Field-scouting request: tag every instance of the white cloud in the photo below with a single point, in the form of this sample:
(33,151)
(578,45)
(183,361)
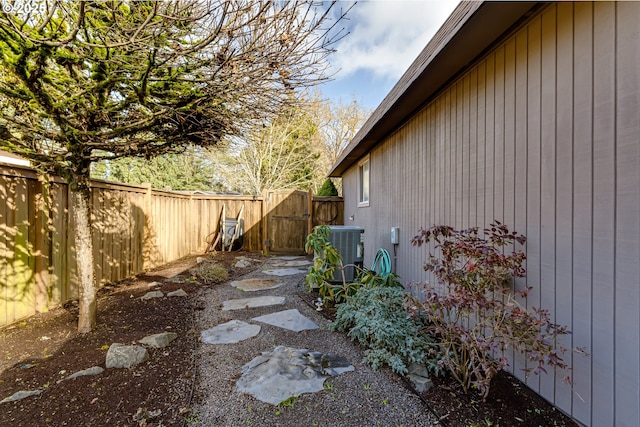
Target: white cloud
(386,36)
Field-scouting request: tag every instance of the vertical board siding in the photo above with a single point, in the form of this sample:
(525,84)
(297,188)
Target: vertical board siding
(543,133)
(134,229)
(583,203)
(627,249)
(603,231)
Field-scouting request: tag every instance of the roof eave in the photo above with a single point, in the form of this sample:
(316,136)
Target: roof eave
(470,30)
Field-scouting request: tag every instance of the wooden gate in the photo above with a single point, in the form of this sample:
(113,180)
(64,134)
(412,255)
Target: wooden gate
(288,221)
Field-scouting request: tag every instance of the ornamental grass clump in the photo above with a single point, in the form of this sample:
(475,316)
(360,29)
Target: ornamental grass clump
(210,272)
(473,313)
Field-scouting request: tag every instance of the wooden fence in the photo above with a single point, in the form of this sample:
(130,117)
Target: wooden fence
(135,228)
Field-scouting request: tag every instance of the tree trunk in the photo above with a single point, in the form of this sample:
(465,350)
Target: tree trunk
(80,200)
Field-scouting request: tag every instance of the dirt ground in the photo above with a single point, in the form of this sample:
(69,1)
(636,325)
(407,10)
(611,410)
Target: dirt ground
(39,352)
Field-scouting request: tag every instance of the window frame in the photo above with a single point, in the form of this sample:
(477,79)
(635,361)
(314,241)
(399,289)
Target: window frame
(364,166)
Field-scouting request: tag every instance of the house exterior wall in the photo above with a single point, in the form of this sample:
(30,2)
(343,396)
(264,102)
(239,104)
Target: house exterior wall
(543,134)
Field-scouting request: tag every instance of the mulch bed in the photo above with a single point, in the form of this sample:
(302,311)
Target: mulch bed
(510,403)
(38,352)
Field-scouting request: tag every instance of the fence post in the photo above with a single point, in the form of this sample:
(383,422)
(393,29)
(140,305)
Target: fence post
(147,246)
(42,243)
(310,213)
(264,222)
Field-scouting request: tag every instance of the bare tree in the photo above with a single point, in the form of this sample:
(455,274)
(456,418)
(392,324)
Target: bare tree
(83,81)
(339,122)
(281,155)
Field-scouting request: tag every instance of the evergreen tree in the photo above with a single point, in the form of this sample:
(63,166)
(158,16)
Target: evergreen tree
(328,189)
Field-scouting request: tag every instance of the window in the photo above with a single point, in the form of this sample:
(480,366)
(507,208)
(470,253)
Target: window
(363,182)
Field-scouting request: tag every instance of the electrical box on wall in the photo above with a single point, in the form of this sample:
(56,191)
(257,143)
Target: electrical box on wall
(395,235)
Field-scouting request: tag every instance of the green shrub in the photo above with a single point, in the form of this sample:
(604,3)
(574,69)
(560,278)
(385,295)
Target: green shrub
(376,318)
(326,262)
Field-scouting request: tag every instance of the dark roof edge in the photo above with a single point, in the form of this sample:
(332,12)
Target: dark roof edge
(470,29)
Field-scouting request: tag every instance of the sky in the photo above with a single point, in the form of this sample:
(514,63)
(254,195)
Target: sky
(385,36)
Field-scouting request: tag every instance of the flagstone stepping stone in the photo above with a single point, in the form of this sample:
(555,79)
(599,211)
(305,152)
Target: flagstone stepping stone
(287,372)
(288,319)
(295,263)
(288,257)
(231,332)
(284,271)
(251,285)
(240,304)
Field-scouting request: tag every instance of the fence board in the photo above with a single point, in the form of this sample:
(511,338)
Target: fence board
(135,228)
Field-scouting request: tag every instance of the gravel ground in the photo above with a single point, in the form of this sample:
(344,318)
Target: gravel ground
(363,397)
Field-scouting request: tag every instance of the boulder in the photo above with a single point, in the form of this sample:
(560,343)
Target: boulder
(158,340)
(419,376)
(125,356)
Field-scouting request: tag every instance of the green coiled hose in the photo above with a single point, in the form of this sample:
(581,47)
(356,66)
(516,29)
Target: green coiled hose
(382,262)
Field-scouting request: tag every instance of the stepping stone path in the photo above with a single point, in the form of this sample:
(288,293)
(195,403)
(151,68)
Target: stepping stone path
(285,372)
(288,319)
(231,332)
(252,285)
(244,303)
(305,373)
(284,272)
(293,263)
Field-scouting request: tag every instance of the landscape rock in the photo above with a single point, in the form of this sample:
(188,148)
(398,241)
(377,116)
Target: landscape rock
(19,395)
(242,263)
(419,376)
(178,293)
(154,284)
(125,356)
(94,370)
(158,340)
(151,295)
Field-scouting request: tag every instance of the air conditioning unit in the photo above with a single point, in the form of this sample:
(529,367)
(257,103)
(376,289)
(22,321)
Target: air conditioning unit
(349,241)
